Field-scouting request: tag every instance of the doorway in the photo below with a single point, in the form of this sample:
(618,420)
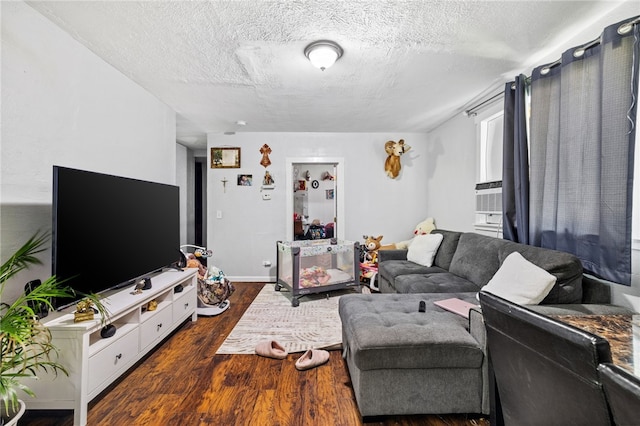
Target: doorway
(316,193)
(199,226)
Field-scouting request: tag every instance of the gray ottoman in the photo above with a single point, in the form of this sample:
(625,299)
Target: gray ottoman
(402,361)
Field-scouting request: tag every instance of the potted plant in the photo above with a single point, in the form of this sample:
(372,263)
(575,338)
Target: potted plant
(25,343)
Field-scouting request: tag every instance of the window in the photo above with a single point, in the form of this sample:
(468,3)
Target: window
(490,158)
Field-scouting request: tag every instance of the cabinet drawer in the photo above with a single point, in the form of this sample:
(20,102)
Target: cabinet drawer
(155,327)
(119,354)
(185,303)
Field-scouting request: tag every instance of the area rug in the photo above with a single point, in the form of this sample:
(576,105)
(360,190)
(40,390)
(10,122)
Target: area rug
(314,324)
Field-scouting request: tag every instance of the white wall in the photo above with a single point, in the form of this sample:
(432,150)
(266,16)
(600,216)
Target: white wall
(451,154)
(63,105)
(374,204)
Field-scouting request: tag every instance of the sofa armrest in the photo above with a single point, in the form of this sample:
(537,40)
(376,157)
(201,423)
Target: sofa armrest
(595,290)
(397,254)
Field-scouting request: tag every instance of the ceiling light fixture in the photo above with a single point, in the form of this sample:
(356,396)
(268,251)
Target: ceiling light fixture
(323,53)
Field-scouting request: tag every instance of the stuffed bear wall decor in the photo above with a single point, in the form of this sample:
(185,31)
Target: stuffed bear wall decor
(394,150)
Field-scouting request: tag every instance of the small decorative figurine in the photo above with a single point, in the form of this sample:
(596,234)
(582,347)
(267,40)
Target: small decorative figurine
(84,311)
(152,305)
(138,288)
(268,179)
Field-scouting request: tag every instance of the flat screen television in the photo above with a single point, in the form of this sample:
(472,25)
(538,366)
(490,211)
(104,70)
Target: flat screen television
(109,231)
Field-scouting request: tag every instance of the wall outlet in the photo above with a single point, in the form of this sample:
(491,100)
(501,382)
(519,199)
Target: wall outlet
(266,196)
(266,263)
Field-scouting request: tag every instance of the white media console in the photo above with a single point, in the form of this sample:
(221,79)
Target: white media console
(94,362)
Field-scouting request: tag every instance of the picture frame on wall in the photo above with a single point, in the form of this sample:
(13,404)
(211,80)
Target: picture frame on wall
(225,158)
(245,180)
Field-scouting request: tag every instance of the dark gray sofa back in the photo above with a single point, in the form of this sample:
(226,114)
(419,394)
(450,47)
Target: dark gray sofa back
(478,258)
(447,248)
(566,267)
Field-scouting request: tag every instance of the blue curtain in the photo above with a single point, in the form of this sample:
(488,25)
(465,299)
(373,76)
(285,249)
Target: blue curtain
(515,163)
(582,138)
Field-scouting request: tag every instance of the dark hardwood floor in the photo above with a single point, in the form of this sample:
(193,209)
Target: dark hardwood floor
(183,382)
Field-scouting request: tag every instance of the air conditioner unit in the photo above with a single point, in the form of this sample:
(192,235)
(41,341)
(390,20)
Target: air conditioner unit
(489,208)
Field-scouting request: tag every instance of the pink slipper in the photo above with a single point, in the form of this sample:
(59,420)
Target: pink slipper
(312,358)
(271,349)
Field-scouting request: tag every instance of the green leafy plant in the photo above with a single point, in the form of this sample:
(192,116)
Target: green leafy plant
(26,344)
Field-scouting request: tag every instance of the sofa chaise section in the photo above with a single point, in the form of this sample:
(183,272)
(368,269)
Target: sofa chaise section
(403,361)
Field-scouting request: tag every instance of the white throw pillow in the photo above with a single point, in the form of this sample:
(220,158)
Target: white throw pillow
(423,248)
(520,281)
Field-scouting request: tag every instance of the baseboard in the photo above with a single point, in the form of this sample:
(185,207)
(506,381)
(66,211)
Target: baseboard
(260,279)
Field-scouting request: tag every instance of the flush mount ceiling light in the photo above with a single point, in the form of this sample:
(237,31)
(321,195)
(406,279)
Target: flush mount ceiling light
(323,53)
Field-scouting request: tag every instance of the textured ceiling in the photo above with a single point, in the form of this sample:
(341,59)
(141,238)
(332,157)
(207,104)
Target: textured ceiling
(407,66)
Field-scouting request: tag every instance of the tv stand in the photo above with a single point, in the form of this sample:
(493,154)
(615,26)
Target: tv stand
(94,362)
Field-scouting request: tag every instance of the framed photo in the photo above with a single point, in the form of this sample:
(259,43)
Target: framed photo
(225,158)
(245,180)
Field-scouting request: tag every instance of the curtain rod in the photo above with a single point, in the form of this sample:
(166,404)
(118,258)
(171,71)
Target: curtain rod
(472,112)
(579,51)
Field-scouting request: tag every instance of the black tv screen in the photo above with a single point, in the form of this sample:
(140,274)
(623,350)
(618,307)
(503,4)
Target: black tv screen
(109,231)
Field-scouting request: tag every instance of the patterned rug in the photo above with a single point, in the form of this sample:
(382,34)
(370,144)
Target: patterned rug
(314,324)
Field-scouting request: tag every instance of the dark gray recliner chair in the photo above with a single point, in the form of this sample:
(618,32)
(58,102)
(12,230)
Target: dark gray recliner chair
(546,371)
(623,393)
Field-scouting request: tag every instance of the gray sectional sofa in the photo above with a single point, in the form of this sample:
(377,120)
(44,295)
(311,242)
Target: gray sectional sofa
(407,360)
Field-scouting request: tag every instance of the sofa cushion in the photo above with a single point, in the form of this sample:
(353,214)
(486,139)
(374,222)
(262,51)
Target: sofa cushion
(476,257)
(423,248)
(520,281)
(566,267)
(443,282)
(388,332)
(394,268)
(447,248)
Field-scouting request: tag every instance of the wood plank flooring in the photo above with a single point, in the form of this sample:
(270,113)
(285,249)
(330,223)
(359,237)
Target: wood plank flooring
(183,382)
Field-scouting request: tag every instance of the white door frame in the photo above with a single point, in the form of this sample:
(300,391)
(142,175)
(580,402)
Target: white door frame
(338,162)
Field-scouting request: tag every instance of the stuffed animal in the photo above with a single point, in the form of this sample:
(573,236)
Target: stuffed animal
(372,245)
(215,274)
(423,228)
(394,150)
(193,261)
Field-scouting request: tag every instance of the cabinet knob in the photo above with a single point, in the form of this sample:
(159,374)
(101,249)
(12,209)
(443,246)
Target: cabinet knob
(159,326)
(118,356)
(186,305)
